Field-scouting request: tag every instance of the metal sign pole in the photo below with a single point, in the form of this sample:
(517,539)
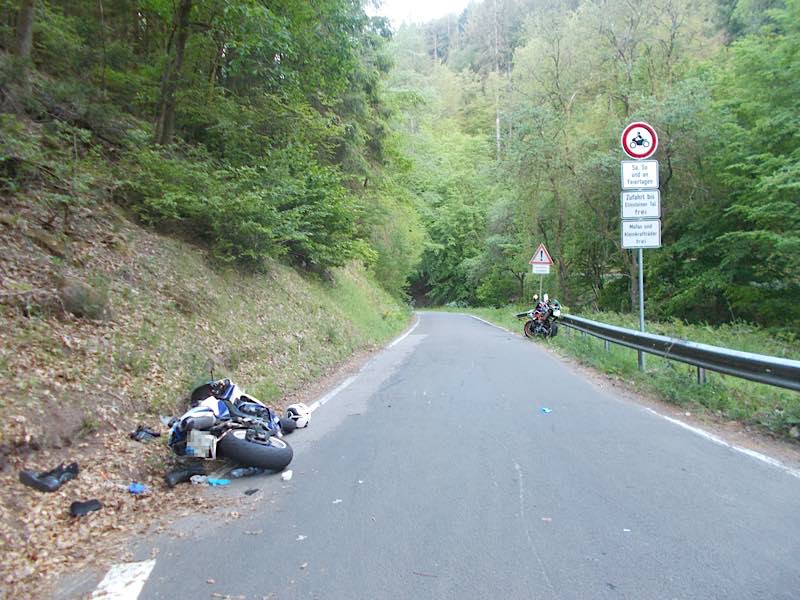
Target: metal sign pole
(541,279)
(641,304)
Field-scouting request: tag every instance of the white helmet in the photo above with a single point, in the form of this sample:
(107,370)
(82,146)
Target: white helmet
(299,413)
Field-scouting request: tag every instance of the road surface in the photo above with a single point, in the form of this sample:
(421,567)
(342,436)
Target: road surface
(435,474)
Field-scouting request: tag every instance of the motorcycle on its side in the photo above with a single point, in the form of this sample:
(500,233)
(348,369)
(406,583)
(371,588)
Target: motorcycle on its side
(224,422)
(541,321)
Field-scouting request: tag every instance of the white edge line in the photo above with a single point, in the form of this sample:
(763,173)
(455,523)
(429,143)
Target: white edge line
(124,581)
(330,395)
(717,440)
(702,433)
(489,323)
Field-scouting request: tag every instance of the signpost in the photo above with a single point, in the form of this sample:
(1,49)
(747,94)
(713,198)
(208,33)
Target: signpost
(640,200)
(540,264)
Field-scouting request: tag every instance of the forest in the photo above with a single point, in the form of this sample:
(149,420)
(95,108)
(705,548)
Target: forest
(438,155)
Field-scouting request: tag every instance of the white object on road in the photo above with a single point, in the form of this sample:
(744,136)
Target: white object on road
(337,501)
(124,581)
(300,538)
(286,475)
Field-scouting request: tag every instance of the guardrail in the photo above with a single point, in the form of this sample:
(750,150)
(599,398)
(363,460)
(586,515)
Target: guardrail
(780,372)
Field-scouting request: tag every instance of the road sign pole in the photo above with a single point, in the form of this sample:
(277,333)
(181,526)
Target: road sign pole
(541,279)
(641,304)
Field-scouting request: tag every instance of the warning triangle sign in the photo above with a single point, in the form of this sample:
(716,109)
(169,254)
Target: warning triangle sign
(541,256)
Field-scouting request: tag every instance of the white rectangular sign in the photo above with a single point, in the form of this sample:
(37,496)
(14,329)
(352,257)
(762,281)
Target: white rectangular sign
(639,174)
(538,269)
(641,204)
(645,233)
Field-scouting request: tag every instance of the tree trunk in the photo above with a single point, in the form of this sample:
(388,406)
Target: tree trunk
(165,126)
(25,29)
(25,42)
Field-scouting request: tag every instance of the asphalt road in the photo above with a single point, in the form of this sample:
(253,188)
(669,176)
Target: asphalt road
(436,475)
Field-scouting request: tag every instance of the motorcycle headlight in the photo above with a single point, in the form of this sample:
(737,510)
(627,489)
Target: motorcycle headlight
(557,312)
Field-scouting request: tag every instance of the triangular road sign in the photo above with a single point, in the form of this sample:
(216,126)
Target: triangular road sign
(541,256)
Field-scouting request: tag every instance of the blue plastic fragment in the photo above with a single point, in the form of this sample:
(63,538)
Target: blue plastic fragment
(218,482)
(137,488)
(546,410)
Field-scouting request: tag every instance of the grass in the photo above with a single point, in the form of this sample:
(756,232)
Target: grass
(768,408)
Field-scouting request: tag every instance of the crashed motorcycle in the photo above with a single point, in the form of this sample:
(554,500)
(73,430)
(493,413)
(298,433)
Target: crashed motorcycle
(542,320)
(224,422)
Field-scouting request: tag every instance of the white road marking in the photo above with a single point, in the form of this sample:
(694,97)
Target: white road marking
(488,322)
(124,581)
(717,440)
(330,395)
(697,431)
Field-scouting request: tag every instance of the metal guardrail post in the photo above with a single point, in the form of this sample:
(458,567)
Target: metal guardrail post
(701,375)
(606,345)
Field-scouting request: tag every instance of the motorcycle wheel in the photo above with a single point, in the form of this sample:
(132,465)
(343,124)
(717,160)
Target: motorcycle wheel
(554,330)
(273,454)
(528,328)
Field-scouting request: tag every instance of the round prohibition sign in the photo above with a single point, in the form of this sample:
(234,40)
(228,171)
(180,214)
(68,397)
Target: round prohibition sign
(639,140)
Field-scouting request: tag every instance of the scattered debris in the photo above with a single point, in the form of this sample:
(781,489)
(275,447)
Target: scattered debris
(360,481)
(199,479)
(218,482)
(144,434)
(546,410)
(300,538)
(79,509)
(424,574)
(304,565)
(337,501)
(286,475)
(254,532)
(210,581)
(251,491)
(183,473)
(626,530)
(246,472)
(547,519)
(50,481)
(137,489)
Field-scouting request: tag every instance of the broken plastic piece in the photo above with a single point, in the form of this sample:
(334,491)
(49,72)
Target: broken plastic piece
(137,488)
(286,475)
(250,492)
(218,482)
(198,479)
(79,509)
(546,410)
(246,472)
(50,481)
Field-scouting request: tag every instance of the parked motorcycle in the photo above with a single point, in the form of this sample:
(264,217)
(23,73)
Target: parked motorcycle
(542,319)
(225,422)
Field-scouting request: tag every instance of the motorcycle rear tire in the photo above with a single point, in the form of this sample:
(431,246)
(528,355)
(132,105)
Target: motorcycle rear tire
(528,328)
(273,455)
(554,330)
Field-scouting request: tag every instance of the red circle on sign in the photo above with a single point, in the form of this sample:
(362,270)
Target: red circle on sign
(639,147)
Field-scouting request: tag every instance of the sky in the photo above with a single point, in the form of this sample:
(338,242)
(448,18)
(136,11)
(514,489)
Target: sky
(417,11)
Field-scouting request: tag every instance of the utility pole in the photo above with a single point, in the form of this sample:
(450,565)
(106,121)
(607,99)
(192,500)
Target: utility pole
(497,81)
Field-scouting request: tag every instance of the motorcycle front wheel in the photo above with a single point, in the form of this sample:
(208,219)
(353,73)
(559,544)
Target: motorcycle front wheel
(273,453)
(554,330)
(528,329)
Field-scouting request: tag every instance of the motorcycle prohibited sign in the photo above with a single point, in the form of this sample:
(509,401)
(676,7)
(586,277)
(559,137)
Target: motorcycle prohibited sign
(639,140)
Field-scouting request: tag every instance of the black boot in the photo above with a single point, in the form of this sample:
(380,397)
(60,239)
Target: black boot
(79,509)
(50,481)
(184,473)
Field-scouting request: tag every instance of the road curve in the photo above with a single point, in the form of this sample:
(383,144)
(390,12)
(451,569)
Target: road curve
(436,474)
